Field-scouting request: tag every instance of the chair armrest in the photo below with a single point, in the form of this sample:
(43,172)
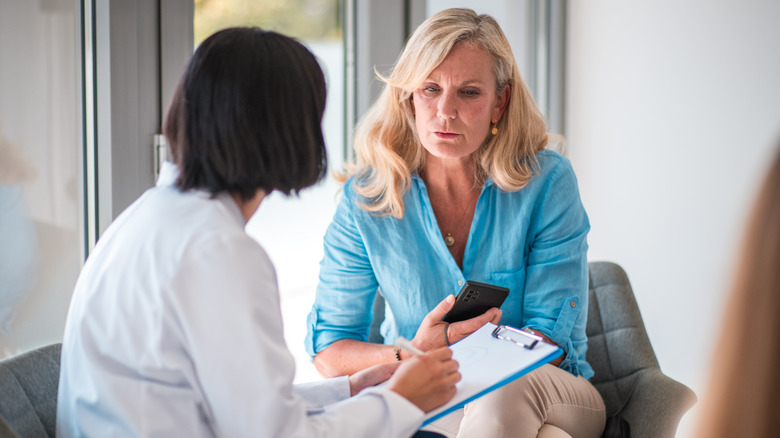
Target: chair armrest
(656,405)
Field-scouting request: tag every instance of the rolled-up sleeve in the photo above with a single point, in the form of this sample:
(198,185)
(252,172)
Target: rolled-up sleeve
(347,284)
(556,289)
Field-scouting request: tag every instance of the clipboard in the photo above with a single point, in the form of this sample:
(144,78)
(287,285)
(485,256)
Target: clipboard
(490,358)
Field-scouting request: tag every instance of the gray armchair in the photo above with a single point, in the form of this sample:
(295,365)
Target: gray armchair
(28,393)
(627,372)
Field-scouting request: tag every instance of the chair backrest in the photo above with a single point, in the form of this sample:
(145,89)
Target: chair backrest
(618,346)
(28,392)
(636,393)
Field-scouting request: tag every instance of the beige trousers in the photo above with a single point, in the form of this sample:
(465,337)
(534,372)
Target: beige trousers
(548,402)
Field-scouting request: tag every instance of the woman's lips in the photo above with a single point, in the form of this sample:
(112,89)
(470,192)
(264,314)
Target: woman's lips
(445,135)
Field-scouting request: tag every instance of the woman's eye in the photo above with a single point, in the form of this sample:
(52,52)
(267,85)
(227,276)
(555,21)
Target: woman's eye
(471,93)
(430,89)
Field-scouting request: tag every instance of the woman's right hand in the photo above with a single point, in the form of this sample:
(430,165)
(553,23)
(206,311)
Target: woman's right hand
(430,334)
(428,380)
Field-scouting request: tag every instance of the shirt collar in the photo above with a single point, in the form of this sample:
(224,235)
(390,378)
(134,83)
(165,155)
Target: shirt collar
(169,172)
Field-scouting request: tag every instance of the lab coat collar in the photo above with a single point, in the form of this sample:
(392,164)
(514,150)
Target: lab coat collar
(169,172)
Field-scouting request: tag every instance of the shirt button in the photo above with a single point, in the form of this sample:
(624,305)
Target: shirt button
(460,282)
(573,304)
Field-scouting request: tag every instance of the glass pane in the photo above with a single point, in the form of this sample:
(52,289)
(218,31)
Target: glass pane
(40,183)
(291,229)
(309,20)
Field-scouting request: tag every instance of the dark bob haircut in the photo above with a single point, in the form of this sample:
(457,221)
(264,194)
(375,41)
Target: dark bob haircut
(247,115)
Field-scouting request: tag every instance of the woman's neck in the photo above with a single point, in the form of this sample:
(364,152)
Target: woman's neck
(453,190)
(250,206)
(450,178)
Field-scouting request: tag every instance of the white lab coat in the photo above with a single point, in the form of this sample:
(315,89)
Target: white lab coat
(175,329)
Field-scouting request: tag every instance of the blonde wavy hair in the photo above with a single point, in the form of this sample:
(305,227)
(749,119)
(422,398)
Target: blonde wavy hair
(386,143)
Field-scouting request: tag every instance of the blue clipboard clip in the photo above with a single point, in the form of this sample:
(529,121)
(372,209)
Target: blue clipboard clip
(520,337)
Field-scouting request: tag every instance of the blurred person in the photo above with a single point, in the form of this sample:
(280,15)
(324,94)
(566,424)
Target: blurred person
(453,183)
(175,328)
(740,398)
(19,251)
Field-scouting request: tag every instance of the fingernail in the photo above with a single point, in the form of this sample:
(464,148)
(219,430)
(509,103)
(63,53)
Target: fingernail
(450,298)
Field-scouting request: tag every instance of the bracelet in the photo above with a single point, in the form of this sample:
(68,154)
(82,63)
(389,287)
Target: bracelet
(397,351)
(446,337)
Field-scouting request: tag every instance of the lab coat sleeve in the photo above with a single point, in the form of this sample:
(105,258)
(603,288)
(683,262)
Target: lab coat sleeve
(229,318)
(324,392)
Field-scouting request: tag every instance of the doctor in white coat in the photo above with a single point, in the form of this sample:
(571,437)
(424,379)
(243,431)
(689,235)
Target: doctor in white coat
(174,328)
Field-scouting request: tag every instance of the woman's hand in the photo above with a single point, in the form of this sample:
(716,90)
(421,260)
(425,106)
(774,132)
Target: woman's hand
(428,380)
(371,376)
(431,333)
(544,337)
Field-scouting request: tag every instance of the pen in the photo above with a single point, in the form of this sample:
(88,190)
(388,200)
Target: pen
(407,346)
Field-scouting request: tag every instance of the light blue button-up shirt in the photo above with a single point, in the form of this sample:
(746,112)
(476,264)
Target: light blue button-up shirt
(532,241)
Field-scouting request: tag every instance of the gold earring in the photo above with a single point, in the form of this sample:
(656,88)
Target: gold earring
(494,131)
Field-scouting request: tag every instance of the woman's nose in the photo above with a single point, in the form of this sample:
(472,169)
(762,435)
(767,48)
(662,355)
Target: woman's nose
(447,108)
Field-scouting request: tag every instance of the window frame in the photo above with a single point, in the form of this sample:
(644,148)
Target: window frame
(133,55)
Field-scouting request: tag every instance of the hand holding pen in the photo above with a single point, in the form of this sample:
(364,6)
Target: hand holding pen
(426,379)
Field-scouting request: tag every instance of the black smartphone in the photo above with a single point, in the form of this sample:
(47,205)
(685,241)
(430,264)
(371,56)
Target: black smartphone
(474,299)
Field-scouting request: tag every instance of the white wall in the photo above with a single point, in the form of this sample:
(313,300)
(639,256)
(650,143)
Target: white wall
(673,110)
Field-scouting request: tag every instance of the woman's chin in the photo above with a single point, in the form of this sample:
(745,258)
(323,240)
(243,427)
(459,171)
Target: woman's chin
(448,152)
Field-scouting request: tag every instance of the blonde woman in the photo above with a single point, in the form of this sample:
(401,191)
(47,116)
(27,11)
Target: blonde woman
(744,381)
(453,183)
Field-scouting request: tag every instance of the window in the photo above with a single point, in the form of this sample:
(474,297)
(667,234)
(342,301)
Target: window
(41,237)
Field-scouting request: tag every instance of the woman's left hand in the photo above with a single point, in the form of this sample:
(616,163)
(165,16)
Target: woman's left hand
(431,333)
